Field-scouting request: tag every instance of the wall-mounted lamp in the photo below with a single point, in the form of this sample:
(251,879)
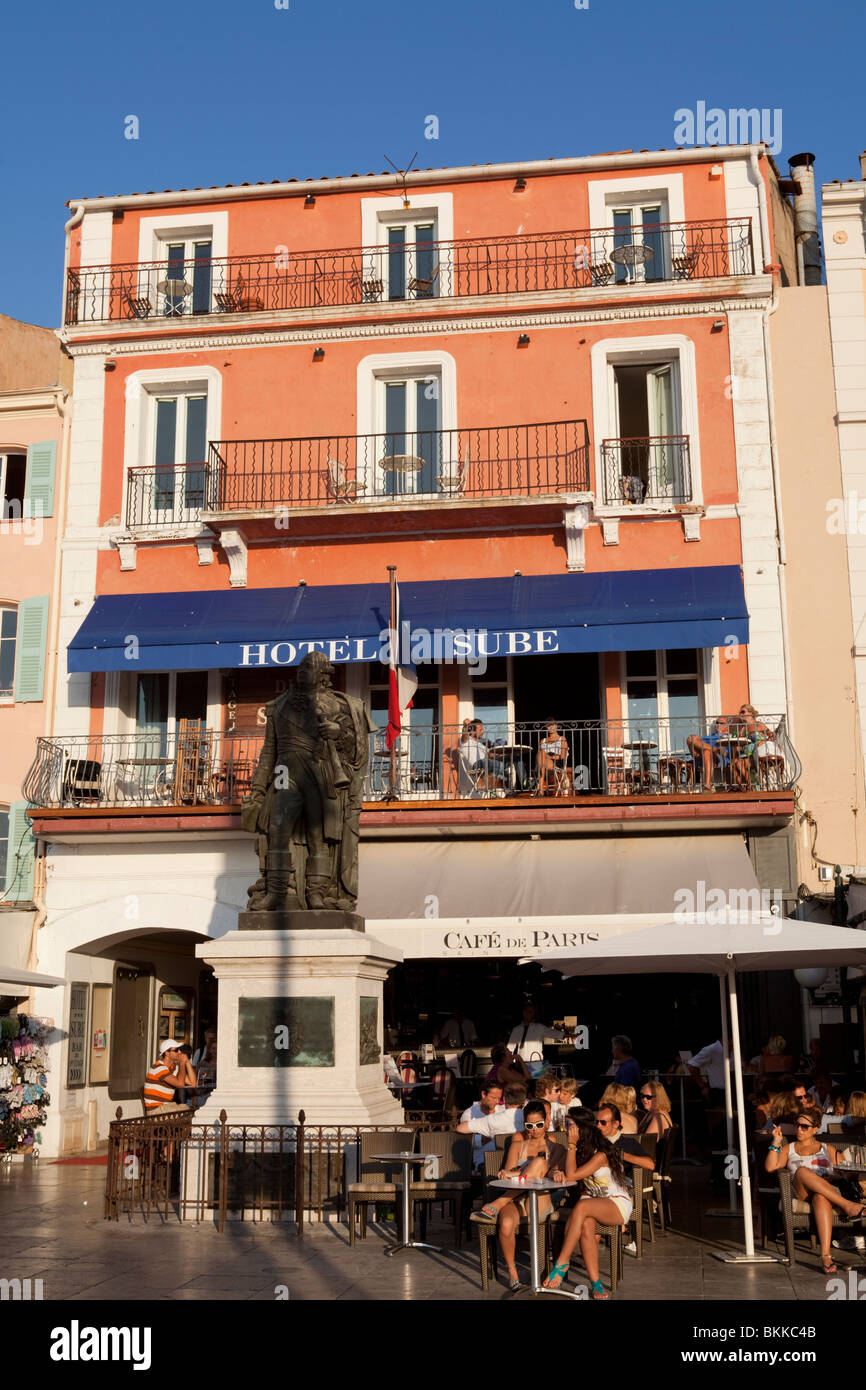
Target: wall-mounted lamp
(309,201)
(517,574)
(718,325)
(523,340)
(519,185)
(110,364)
(318,354)
(302,583)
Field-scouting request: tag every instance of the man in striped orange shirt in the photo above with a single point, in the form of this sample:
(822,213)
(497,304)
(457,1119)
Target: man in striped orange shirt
(168,1074)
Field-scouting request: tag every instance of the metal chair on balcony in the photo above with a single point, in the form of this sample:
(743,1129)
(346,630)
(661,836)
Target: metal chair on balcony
(239,300)
(684,267)
(421,285)
(452,478)
(601,273)
(137,306)
(82,781)
(340,486)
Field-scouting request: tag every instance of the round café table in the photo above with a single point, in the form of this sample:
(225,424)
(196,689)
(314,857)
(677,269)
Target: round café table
(635,254)
(405,1159)
(510,753)
(532,1187)
(642,747)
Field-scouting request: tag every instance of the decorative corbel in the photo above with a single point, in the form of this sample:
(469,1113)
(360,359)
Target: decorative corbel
(126,550)
(234,544)
(575,520)
(610,530)
(204,544)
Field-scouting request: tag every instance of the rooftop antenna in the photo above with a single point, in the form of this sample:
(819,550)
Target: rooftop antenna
(402,175)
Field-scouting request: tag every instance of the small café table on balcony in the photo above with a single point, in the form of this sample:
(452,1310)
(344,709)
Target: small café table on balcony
(405,1160)
(642,747)
(510,755)
(633,255)
(532,1187)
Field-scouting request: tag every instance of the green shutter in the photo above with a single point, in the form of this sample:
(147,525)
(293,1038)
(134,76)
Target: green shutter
(19,857)
(30,656)
(39,490)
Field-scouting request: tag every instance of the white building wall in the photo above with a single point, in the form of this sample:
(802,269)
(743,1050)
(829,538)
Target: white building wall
(757,509)
(844,237)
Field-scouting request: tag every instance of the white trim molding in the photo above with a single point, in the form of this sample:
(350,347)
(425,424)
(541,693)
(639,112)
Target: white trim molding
(156,233)
(606,194)
(138,422)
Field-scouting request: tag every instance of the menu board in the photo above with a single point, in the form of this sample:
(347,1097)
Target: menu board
(280,1032)
(76,1056)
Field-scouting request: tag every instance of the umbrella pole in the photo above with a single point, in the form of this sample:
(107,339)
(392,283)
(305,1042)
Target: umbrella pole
(731,1208)
(750,1255)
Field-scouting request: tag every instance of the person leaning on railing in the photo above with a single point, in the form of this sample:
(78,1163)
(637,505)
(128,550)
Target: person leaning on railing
(811,1166)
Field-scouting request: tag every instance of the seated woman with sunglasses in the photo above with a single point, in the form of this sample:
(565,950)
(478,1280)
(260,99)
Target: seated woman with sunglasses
(605,1201)
(655,1115)
(811,1165)
(531,1155)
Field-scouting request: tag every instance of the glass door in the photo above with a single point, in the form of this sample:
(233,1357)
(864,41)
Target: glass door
(638,244)
(410,458)
(663,424)
(180,450)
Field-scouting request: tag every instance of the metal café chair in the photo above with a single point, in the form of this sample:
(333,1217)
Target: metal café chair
(377,1181)
(454,1179)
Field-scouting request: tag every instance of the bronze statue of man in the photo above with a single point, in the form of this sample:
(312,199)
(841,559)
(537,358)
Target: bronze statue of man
(306,794)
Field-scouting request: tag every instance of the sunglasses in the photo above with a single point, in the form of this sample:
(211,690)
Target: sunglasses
(647,1095)
(535,1124)
(604,1122)
(806,1126)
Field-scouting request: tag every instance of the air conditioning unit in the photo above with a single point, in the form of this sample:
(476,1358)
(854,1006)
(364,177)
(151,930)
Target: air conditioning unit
(825,873)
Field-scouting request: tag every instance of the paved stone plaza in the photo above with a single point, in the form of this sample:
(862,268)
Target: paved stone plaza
(52,1228)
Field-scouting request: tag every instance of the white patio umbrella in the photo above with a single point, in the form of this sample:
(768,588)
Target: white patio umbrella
(701,946)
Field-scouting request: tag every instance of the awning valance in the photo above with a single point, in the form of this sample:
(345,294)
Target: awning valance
(637,610)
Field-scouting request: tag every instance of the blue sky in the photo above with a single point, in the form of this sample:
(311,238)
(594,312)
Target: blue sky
(230,92)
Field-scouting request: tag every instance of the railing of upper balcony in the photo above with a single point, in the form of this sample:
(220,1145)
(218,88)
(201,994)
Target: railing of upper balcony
(537,460)
(616,758)
(531,264)
(646,470)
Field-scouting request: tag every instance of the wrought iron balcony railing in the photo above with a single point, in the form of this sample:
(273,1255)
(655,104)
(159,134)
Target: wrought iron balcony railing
(654,469)
(287,281)
(433,762)
(538,460)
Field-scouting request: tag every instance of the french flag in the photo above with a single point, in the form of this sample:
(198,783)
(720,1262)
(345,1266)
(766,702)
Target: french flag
(402,676)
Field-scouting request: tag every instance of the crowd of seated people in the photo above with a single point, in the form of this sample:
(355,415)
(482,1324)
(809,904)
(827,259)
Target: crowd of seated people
(738,753)
(552,1135)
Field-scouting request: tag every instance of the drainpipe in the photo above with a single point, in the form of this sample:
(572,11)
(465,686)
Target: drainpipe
(767,254)
(806,220)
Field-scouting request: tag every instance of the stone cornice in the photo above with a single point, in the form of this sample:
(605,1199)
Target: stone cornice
(513,321)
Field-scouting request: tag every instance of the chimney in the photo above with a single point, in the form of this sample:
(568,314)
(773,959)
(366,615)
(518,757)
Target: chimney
(863,165)
(806,220)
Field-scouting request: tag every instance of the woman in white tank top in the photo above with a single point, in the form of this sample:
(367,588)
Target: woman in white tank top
(811,1165)
(605,1201)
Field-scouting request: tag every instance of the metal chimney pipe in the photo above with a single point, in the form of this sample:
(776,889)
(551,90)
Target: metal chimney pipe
(806,219)
(863,165)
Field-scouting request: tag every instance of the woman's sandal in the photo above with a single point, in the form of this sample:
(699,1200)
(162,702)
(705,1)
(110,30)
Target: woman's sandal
(513,1285)
(490,1211)
(598,1290)
(559,1272)
(828,1266)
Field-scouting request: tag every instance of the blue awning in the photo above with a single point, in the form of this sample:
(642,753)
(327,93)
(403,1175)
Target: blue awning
(635,610)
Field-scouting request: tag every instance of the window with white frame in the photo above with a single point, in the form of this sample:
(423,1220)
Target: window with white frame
(412,264)
(185,287)
(408,249)
(663,698)
(644,400)
(639,250)
(419,746)
(13,478)
(8,644)
(171,488)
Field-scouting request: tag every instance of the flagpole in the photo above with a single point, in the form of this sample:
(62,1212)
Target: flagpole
(392,769)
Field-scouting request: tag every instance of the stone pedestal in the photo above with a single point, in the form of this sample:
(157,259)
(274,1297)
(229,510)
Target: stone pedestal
(300,1022)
